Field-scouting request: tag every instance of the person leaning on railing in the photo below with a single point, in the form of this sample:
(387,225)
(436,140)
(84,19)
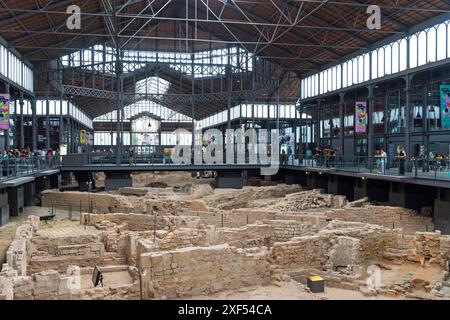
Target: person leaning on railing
(438,158)
(4,160)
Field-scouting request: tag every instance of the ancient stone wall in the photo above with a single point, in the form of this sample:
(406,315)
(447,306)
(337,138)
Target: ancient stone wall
(361,243)
(389,217)
(202,271)
(142,222)
(299,253)
(99,202)
(239,199)
(308,200)
(285,230)
(433,248)
(19,251)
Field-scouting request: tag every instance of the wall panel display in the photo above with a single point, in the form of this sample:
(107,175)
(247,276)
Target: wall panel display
(361,117)
(445,105)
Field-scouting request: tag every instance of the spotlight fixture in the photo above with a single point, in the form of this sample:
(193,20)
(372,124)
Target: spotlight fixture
(364,178)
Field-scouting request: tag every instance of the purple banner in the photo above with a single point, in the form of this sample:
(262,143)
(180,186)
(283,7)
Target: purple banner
(361,117)
(4,107)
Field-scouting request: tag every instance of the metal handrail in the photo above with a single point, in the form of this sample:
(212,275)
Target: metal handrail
(21,167)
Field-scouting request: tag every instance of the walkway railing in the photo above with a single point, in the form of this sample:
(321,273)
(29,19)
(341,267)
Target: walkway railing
(422,168)
(22,167)
(389,166)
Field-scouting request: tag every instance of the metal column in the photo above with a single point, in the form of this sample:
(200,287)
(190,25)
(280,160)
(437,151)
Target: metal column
(22,136)
(370,146)
(33,125)
(47,116)
(342,122)
(408,116)
(230,87)
(301,151)
(318,144)
(6,132)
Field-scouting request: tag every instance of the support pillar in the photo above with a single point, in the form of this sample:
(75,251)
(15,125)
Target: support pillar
(116,180)
(33,125)
(55,181)
(4,208)
(342,123)
(22,135)
(15,201)
(301,151)
(6,132)
(318,142)
(47,116)
(370,147)
(408,116)
(442,210)
(61,124)
(229,180)
(29,193)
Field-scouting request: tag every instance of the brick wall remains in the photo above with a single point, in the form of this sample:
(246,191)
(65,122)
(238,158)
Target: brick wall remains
(389,217)
(142,222)
(202,271)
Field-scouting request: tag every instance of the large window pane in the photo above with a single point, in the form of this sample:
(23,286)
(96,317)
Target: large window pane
(442,41)
(422,48)
(431,54)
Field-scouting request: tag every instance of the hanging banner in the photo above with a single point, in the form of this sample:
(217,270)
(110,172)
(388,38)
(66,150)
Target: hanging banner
(361,117)
(4,107)
(83,137)
(445,105)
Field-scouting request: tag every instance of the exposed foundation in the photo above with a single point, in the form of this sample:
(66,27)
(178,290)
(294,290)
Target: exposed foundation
(193,241)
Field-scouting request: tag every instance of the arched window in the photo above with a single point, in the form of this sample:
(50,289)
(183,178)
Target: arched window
(333,78)
(345,75)
(355,71)
(374,64)
(339,77)
(422,48)
(431,45)
(388,60)
(321,82)
(381,62)
(350,73)
(360,69)
(316,84)
(330,80)
(412,52)
(325,82)
(303,89)
(395,57)
(442,41)
(367,67)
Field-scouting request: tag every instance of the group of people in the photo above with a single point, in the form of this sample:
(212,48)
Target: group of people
(434,160)
(381,160)
(26,153)
(325,156)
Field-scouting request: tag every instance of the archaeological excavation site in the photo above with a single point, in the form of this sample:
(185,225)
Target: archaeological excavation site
(172,236)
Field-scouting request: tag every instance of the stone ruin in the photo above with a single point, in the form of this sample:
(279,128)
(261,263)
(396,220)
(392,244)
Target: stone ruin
(181,246)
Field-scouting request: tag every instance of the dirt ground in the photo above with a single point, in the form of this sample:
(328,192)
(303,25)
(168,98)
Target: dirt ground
(288,291)
(119,278)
